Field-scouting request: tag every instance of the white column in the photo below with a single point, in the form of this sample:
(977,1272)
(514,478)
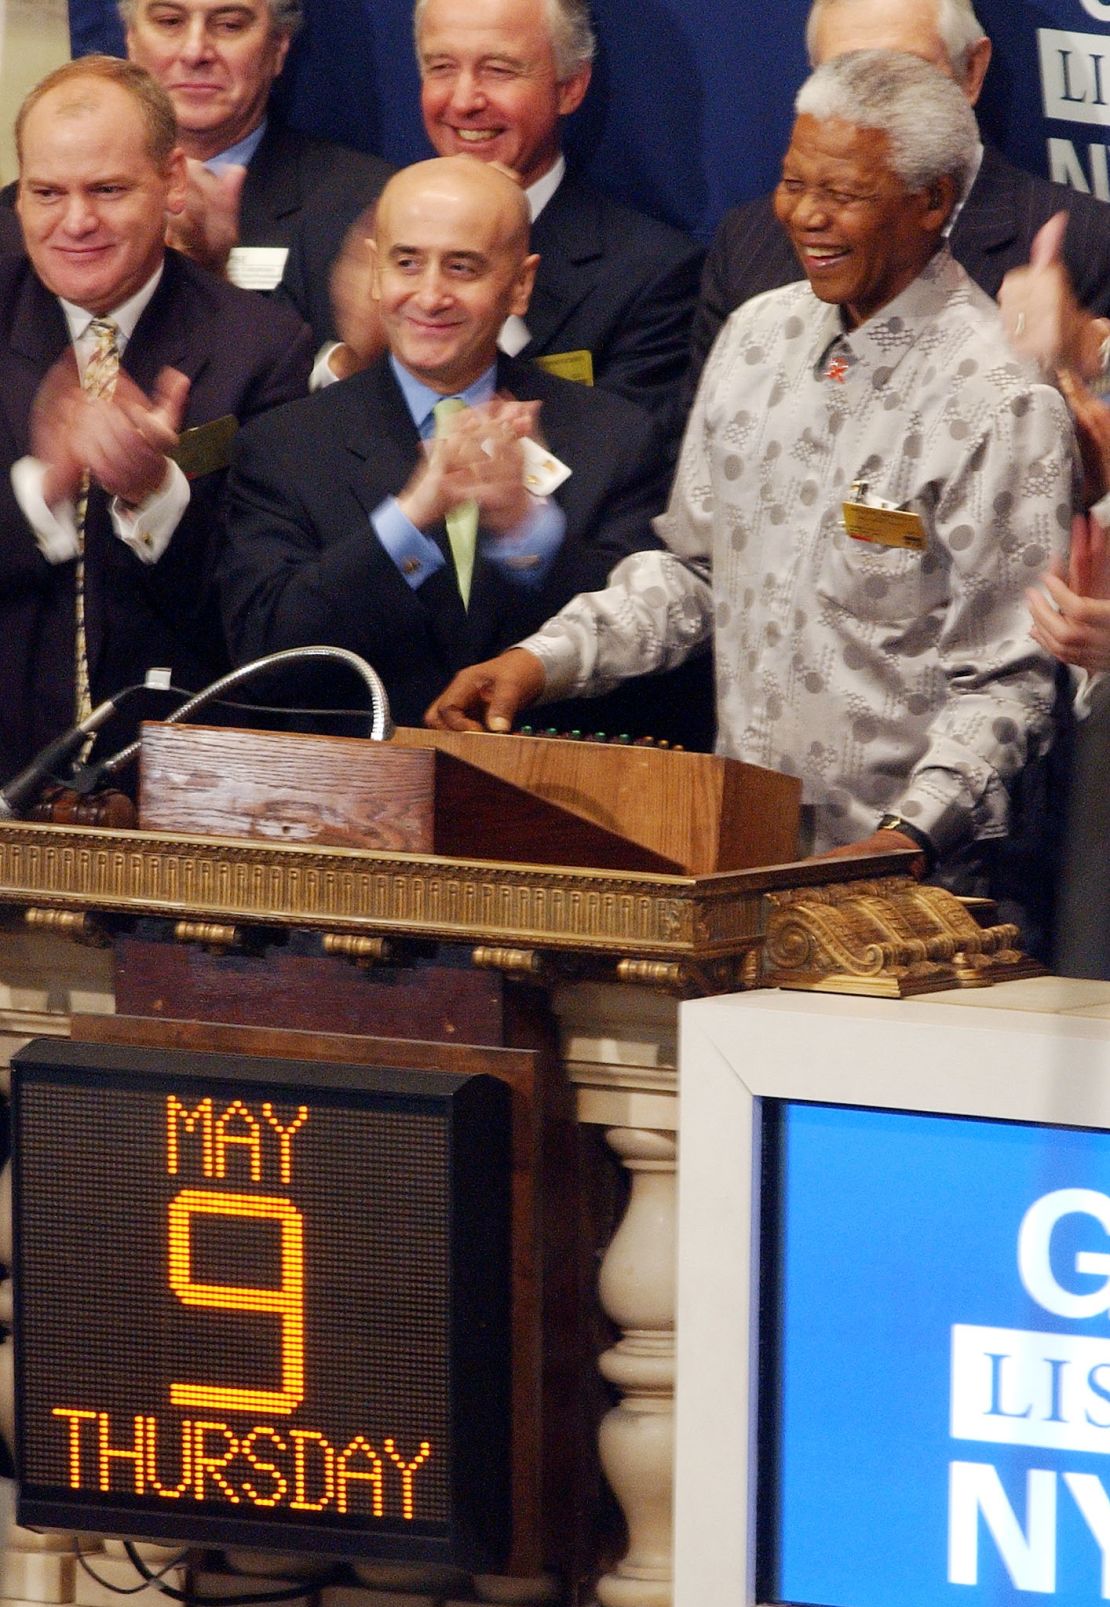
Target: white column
(618,1045)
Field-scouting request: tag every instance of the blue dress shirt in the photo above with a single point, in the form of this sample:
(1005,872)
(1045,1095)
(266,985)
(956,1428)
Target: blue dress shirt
(524,555)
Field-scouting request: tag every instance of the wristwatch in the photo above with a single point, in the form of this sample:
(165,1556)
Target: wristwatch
(923,841)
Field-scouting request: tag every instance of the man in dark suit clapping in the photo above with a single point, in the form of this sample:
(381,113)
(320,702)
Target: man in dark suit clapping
(346,511)
(110,347)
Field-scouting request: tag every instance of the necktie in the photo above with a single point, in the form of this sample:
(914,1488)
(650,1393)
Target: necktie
(462,522)
(99,380)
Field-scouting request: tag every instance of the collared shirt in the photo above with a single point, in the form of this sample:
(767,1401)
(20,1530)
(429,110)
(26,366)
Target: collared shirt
(79,320)
(524,555)
(239,154)
(147,528)
(515,333)
(885,678)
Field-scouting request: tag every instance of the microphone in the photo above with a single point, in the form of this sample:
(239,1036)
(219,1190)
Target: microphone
(43,767)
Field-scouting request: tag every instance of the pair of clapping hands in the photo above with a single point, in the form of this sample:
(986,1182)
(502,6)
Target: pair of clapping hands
(1044,321)
(119,442)
(478,458)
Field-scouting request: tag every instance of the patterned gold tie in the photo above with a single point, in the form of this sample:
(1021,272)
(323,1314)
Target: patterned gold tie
(462,522)
(101,372)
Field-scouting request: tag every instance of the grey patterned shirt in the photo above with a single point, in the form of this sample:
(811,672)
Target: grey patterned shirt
(887,679)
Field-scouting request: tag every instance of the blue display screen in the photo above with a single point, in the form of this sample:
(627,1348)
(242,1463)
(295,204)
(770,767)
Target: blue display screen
(935,1337)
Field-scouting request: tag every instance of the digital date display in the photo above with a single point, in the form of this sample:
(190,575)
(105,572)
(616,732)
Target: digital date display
(262,1302)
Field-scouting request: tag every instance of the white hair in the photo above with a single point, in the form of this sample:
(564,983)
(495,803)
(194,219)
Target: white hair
(568,22)
(286,16)
(958,29)
(923,113)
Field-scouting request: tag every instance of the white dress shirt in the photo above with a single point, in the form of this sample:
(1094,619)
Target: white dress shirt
(146,528)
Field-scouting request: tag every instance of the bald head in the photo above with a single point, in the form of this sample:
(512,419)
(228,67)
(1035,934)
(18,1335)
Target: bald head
(462,181)
(451,249)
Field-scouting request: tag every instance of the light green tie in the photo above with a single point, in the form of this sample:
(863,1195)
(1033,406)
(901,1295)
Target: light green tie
(462,522)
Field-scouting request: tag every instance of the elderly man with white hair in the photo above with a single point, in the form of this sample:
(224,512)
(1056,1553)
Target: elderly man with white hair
(868,481)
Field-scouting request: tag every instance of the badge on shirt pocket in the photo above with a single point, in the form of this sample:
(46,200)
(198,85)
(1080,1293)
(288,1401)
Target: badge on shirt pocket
(883,524)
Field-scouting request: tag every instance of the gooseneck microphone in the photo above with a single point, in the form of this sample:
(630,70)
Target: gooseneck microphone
(46,765)
(18,792)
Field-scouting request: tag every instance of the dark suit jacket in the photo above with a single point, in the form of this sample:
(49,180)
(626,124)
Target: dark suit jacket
(993,233)
(611,281)
(242,356)
(621,286)
(291,176)
(11,235)
(303,565)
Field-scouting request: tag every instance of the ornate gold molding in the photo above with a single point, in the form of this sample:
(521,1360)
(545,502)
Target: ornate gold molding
(681,934)
(890,937)
(362,892)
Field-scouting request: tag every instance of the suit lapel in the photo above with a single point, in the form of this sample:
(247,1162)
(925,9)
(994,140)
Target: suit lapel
(38,338)
(567,235)
(272,188)
(162,334)
(378,432)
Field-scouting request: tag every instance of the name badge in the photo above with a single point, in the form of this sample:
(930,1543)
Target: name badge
(578,366)
(257,267)
(882,523)
(206,447)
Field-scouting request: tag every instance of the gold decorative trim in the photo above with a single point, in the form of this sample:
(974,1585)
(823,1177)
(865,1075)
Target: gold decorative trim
(684,934)
(513,962)
(210,934)
(889,938)
(670,975)
(363,950)
(76,924)
(359,891)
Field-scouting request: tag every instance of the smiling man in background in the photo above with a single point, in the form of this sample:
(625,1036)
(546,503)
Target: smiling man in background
(615,289)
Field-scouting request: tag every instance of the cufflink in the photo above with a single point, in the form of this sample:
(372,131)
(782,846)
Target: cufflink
(543,472)
(411,566)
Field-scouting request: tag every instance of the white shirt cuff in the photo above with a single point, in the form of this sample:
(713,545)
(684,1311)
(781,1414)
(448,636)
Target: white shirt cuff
(55,530)
(148,528)
(323,374)
(1086,684)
